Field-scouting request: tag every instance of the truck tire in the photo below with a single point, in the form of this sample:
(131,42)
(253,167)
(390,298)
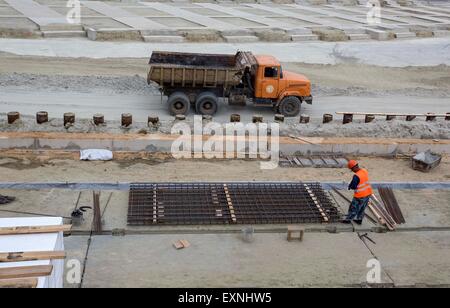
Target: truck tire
(290,106)
(206,103)
(178,103)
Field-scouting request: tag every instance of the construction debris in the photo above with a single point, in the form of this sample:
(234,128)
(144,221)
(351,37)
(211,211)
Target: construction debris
(391,204)
(426,161)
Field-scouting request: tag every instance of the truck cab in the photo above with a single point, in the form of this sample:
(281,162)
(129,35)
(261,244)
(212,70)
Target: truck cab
(283,89)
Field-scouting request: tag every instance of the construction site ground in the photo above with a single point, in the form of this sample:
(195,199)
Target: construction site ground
(416,254)
(398,68)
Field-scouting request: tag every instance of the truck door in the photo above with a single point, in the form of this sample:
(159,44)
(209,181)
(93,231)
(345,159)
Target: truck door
(269,82)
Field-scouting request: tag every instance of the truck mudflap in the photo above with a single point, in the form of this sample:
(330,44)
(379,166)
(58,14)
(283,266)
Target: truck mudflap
(308,99)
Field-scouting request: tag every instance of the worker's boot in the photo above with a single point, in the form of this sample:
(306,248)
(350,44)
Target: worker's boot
(358,221)
(3,200)
(346,221)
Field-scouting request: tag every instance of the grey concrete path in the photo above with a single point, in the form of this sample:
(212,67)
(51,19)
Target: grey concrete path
(86,104)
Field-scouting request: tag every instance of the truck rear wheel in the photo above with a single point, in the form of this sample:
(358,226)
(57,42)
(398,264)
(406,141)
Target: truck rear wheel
(206,103)
(178,103)
(290,106)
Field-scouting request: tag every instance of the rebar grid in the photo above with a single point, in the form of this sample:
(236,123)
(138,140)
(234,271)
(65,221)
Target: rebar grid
(229,203)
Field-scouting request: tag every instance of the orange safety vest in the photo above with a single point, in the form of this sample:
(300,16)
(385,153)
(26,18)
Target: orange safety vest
(364,189)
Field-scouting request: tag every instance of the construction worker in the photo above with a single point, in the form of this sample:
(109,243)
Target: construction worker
(360,184)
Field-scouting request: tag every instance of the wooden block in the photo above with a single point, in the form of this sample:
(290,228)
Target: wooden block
(23,283)
(185,243)
(25,271)
(34,230)
(31,256)
(178,245)
(294,230)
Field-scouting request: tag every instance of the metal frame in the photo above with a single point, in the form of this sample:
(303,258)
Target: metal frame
(229,203)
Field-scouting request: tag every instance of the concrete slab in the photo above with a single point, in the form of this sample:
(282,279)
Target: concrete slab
(103,23)
(192,17)
(269,261)
(123,16)
(414,258)
(424,209)
(40,14)
(18,23)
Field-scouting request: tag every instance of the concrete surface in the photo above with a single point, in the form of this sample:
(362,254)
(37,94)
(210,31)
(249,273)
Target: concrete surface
(224,260)
(415,255)
(417,52)
(141,106)
(224,18)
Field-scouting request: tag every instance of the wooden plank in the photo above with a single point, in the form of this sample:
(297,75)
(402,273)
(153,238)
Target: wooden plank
(230,203)
(319,207)
(31,256)
(23,283)
(382,220)
(25,271)
(34,229)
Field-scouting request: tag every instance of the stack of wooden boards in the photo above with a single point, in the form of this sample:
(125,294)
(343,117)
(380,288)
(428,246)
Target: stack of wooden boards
(387,212)
(27,276)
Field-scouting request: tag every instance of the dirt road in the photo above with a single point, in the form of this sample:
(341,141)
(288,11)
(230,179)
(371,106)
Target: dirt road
(115,86)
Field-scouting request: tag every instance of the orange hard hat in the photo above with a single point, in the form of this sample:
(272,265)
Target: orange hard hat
(352,164)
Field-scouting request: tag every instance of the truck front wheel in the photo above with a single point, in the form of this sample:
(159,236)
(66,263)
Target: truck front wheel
(178,103)
(206,103)
(290,106)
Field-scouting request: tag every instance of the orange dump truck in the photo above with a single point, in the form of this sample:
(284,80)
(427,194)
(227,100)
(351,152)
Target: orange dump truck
(199,80)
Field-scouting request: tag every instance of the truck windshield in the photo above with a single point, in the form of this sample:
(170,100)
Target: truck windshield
(271,72)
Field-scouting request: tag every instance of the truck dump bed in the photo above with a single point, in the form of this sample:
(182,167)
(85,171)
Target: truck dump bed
(176,69)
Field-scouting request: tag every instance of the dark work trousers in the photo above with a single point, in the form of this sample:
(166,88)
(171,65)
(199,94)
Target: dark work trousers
(357,208)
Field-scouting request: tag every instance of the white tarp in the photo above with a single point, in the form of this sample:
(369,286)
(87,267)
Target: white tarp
(35,242)
(95,154)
